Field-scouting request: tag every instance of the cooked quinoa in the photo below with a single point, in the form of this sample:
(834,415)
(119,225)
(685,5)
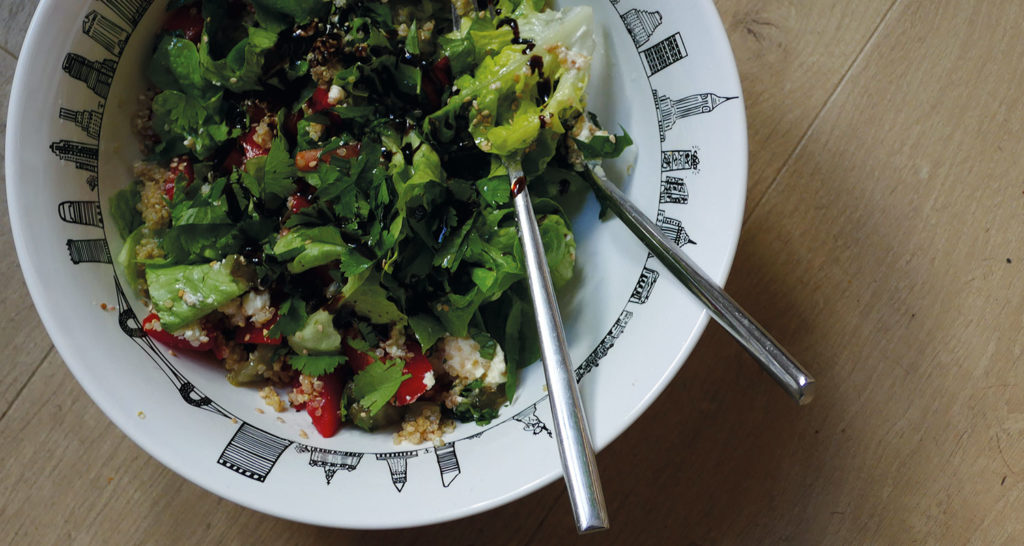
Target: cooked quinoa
(423,423)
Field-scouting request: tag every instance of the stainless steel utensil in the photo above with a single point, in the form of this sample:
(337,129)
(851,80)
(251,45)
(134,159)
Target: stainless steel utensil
(571,431)
(768,353)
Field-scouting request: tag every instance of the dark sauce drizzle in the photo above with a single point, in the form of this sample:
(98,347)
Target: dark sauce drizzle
(518,185)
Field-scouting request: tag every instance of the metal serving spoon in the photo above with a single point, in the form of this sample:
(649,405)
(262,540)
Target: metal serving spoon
(775,360)
(572,434)
(571,431)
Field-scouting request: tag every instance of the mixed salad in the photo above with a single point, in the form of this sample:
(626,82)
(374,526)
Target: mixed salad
(324,206)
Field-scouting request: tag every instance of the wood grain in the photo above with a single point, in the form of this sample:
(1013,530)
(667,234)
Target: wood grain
(21,333)
(791,55)
(16,15)
(881,246)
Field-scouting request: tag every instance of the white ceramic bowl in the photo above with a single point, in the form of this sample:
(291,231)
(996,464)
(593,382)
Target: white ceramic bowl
(667,76)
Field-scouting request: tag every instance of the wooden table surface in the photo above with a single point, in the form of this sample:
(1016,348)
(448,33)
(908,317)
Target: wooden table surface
(880,245)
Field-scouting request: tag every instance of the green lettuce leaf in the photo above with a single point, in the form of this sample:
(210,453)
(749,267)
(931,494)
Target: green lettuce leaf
(317,336)
(182,294)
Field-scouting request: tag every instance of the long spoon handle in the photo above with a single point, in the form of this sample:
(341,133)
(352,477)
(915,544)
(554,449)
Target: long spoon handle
(571,431)
(786,371)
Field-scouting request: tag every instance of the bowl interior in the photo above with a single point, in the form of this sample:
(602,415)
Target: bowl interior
(665,74)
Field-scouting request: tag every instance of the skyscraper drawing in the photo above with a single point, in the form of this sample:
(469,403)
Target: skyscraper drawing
(673,229)
(644,286)
(84,156)
(670,111)
(97,75)
(105,32)
(93,251)
(86,213)
(673,190)
(641,24)
(86,120)
(607,342)
(131,11)
(663,54)
(679,160)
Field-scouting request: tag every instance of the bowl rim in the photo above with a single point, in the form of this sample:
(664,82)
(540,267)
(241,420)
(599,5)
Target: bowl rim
(22,92)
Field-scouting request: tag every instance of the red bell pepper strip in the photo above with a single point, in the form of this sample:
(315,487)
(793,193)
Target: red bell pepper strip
(181,165)
(325,408)
(419,368)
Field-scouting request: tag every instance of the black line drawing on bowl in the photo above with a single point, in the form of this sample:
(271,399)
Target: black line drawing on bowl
(85,156)
(532,423)
(253,452)
(670,111)
(679,160)
(641,24)
(86,120)
(132,327)
(93,251)
(594,360)
(105,32)
(330,460)
(644,286)
(447,463)
(398,465)
(674,191)
(92,181)
(126,319)
(673,229)
(86,213)
(663,54)
(97,75)
(131,11)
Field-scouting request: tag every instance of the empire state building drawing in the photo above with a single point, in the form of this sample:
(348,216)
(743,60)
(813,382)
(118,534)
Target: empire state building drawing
(641,24)
(105,32)
(670,111)
(97,75)
(86,120)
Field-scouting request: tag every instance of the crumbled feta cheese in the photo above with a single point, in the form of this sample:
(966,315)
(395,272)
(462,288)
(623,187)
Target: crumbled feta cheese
(462,360)
(194,334)
(395,344)
(233,311)
(256,306)
(189,298)
(336,94)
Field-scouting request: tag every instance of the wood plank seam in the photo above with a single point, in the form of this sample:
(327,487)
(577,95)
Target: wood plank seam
(21,389)
(814,122)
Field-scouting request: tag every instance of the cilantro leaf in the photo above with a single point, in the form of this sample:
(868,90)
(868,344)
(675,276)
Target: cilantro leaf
(315,366)
(292,316)
(377,383)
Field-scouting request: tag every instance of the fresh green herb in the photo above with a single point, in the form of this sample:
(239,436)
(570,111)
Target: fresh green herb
(375,385)
(316,366)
